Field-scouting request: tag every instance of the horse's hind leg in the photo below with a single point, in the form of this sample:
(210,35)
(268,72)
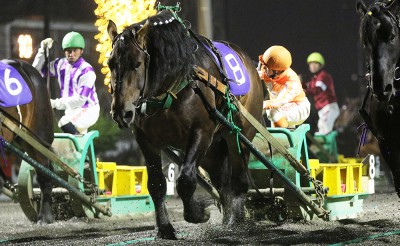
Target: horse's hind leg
(218,168)
(236,193)
(45,214)
(194,210)
(2,180)
(157,187)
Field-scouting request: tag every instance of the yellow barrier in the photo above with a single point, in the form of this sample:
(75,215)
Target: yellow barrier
(341,178)
(119,180)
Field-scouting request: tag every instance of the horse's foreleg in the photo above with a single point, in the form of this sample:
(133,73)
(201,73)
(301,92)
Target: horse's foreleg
(392,158)
(194,210)
(157,187)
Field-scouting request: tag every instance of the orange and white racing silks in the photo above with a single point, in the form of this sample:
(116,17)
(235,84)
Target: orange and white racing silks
(287,98)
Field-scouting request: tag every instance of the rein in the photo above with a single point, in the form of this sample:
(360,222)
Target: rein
(141,98)
(369,125)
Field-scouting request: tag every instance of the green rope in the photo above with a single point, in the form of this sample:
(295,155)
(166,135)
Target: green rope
(230,106)
(231,110)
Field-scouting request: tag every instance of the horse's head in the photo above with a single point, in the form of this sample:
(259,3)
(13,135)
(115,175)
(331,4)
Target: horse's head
(379,33)
(128,63)
(348,117)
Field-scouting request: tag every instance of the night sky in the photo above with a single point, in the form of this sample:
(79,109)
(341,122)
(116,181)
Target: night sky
(326,26)
(329,27)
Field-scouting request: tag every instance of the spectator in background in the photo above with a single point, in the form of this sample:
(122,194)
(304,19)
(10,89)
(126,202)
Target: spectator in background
(321,88)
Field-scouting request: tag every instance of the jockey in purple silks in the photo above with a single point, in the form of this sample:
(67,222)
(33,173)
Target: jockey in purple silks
(77,79)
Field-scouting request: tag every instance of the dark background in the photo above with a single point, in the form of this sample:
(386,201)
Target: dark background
(329,27)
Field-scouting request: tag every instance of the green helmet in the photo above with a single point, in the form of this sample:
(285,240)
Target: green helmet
(73,40)
(316,57)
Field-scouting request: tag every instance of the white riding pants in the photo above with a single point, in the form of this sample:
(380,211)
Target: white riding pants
(295,113)
(81,118)
(327,117)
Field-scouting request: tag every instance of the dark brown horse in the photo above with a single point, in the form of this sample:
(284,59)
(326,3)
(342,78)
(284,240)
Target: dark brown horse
(380,38)
(347,125)
(37,116)
(150,57)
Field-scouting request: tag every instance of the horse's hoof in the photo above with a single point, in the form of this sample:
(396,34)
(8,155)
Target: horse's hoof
(166,232)
(196,212)
(47,219)
(232,221)
(200,216)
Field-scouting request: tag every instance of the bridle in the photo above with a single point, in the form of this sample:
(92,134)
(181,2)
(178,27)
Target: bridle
(369,124)
(141,99)
(385,7)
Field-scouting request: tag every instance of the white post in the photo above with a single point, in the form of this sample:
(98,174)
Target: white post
(171,180)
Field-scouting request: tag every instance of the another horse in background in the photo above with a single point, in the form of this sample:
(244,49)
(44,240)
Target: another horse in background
(380,38)
(151,58)
(347,125)
(37,117)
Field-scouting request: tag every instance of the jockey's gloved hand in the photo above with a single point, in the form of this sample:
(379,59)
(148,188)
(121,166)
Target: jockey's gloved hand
(267,104)
(55,103)
(46,43)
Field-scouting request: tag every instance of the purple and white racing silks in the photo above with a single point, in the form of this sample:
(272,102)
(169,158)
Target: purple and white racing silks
(13,89)
(77,82)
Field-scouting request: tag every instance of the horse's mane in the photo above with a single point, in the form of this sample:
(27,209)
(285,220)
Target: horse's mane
(373,12)
(170,48)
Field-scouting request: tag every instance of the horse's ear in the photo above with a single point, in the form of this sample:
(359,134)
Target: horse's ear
(141,34)
(361,8)
(112,30)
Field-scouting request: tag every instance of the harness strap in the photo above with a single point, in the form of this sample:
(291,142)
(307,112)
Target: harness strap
(207,51)
(317,209)
(299,167)
(165,100)
(366,117)
(209,80)
(221,66)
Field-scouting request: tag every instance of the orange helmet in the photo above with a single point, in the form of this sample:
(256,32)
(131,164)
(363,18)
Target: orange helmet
(277,58)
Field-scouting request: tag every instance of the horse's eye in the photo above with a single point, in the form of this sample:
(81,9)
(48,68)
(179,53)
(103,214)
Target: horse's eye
(135,65)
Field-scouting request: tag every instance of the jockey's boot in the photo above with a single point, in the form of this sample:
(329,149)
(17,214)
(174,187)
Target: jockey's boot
(69,128)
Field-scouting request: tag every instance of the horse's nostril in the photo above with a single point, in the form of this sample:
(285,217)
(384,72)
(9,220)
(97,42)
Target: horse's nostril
(128,117)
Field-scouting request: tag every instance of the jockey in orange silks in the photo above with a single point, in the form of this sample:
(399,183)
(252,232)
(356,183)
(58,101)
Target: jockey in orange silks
(288,105)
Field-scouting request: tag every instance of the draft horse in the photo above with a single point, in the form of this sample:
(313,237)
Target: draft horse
(380,38)
(37,117)
(147,60)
